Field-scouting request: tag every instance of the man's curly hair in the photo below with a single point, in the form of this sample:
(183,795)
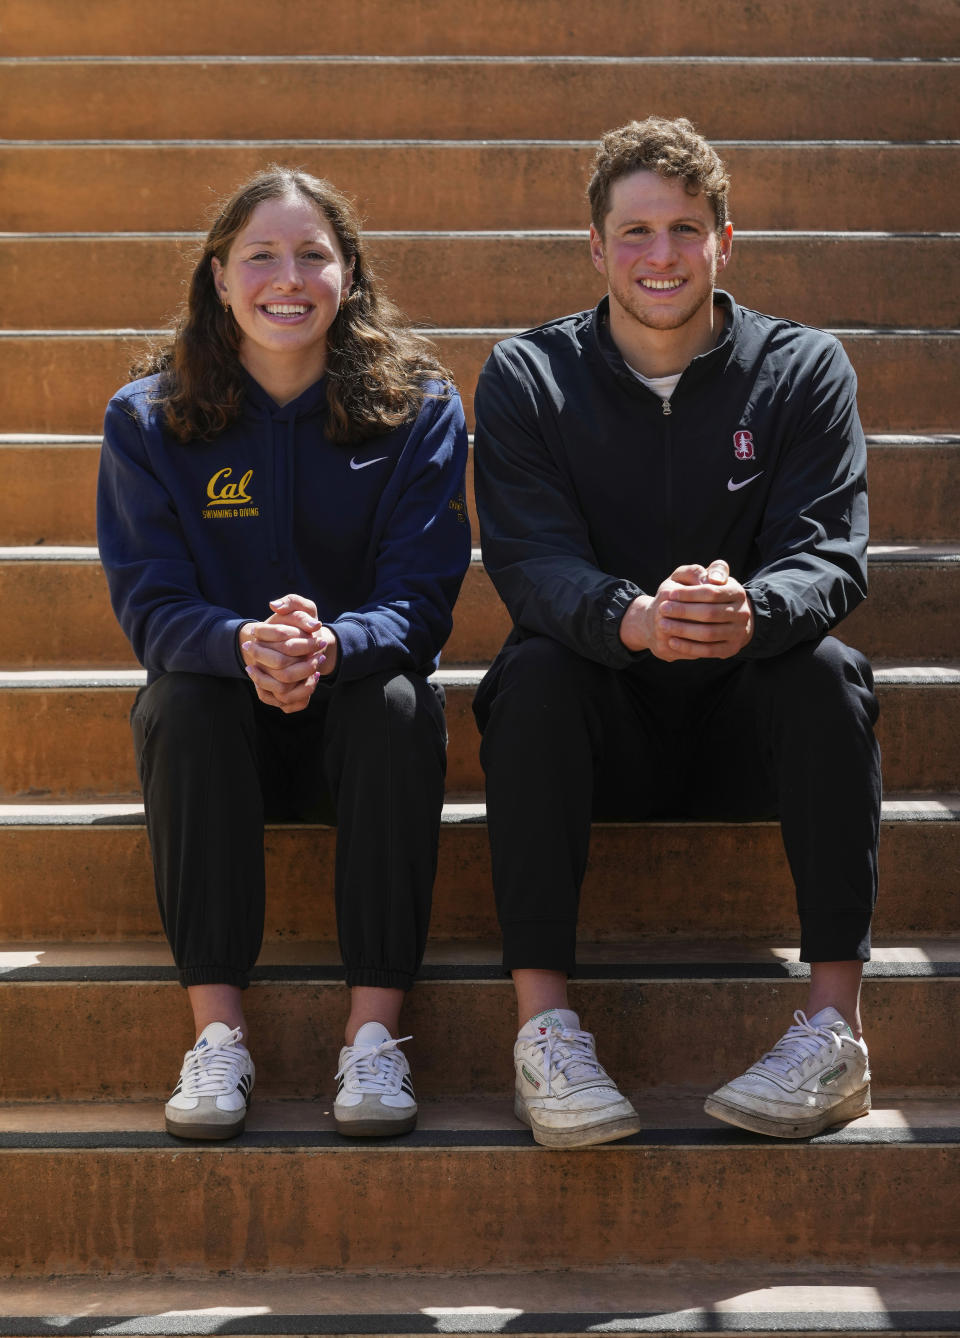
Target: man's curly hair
(671,148)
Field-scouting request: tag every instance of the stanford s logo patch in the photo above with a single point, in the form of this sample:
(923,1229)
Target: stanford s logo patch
(743,445)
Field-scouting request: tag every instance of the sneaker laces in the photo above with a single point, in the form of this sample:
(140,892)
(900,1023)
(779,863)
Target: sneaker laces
(564,1051)
(375,1068)
(215,1070)
(799,1043)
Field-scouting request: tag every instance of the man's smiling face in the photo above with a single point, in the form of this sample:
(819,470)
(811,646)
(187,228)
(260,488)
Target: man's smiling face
(660,251)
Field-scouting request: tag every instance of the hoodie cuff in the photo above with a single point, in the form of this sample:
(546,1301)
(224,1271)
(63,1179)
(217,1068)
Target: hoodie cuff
(222,649)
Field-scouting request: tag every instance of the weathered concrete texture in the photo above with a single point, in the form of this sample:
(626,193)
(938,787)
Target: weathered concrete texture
(133,187)
(489,279)
(49,492)
(73,743)
(61,383)
(96,882)
(463,99)
(66,620)
(680,1032)
(255,1210)
(725,27)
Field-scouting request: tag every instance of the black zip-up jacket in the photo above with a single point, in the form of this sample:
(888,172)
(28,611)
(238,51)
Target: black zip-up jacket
(591,490)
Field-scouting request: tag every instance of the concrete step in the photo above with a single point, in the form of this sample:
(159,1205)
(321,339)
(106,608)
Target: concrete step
(69,739)
(491,279)
(865,28)
(66,620)
(414,97)
(113,1022)
(716,1300)
(292,1199)
(427,183)
(49,489)
(83,872)
(907,378)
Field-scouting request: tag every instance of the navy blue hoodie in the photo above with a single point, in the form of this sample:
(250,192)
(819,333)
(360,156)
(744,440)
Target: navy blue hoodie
(196,538)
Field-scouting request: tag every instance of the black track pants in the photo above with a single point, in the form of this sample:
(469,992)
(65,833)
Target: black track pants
(566,740)
(215,764)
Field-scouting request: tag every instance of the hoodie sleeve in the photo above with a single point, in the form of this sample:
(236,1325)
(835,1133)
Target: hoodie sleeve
(422,555)
(812,544)
(150,571)
(536,547)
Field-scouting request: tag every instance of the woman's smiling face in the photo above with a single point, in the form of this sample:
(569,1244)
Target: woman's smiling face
(284,279)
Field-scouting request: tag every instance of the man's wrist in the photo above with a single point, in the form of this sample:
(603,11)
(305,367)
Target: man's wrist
(634,633)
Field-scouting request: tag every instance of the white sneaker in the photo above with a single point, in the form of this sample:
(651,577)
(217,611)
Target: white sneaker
(375,1096)
(562,1091)
(213,1093)
(816,1075)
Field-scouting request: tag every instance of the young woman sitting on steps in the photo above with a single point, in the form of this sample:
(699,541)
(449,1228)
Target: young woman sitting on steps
(282,523)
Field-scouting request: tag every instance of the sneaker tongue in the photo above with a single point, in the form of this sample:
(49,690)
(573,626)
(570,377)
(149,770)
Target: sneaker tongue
(829,1017)
(371,1033)
(564,1018)
(214,1033)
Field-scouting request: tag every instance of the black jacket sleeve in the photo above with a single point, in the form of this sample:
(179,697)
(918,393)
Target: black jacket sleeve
(812,545)
(536,547)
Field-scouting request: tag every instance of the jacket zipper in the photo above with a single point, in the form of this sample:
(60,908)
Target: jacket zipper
(668,484)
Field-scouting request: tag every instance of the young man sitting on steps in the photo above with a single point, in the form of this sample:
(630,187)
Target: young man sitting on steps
(672,502)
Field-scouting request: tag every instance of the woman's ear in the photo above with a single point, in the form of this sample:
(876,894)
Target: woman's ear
(218,280)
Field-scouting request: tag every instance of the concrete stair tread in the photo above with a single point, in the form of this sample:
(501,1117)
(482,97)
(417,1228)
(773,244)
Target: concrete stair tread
(33,27)
(877,552)
(459,809)
(71,740)
(66,439)
(133,97)
(894,1118)
(834,184)
(697,1299)
(453,959)
(88,367)
(486,279)
(900,673)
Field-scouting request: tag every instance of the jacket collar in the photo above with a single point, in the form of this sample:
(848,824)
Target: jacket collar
(602,348)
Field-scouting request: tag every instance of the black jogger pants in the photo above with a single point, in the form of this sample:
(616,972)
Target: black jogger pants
(566,739)
(215,764)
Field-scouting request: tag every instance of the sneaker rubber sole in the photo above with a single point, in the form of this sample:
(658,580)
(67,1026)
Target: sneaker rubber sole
(376,1126)
(206,1131)
(587,1136)
(850,1108)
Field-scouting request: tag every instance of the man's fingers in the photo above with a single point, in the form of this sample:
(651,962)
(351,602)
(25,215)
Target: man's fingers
(699,594)
(677,629)
(717,573)
(689,574)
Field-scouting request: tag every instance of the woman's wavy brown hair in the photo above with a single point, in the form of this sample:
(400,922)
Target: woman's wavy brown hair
(377,366)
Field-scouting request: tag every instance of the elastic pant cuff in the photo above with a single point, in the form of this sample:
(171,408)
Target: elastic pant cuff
(540,945)
(213,975)
(835,938)
(379,978)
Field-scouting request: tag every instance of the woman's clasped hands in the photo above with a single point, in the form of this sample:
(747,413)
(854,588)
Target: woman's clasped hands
(288,653)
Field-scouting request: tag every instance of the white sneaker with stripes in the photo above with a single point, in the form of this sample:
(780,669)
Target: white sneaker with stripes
(375,1093)
(211,1097)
